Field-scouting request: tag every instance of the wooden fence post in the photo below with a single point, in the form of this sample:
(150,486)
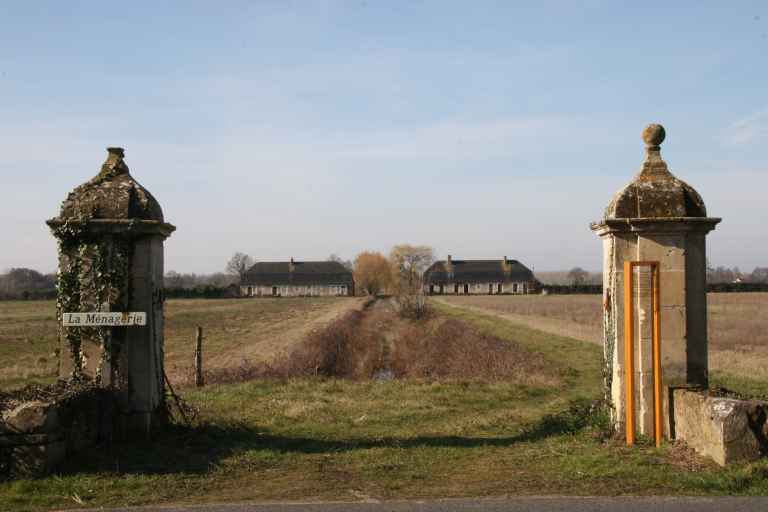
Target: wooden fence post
(199,358)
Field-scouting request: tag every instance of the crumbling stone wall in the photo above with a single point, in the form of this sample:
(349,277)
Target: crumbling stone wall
(41,427)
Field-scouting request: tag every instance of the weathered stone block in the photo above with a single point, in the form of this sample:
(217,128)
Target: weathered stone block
(31,418)
(726,429)
(673,355)
(672,292)
(667,249)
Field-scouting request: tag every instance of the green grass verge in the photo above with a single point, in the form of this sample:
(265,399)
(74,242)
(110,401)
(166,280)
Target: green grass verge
(342,440)
(749,387)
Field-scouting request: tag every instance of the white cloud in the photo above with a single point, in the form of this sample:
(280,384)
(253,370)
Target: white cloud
(748,130)
(271,192)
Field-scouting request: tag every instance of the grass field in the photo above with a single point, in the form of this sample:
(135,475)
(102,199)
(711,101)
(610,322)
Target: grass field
(354,439)
(234,330)
(738,326)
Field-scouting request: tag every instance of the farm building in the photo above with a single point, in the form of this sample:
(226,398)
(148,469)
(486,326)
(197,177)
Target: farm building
(478,277)
(298,279)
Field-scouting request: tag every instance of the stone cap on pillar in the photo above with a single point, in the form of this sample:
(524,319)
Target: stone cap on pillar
(113,201)
(655,199)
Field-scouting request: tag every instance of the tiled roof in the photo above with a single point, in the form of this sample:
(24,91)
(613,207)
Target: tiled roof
(477,271)
(305,273)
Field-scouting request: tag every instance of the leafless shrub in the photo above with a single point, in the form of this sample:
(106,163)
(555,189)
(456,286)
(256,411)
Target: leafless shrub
(60,392)
(342,349)
(244,371)
(413,305)
(457,350)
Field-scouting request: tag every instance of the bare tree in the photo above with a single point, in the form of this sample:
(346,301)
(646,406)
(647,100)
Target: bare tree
(408,263)
(220,279)
(372,272)
(345,263)
(759,275)
(238,265)
(25,282)
(173,279)
(578,276)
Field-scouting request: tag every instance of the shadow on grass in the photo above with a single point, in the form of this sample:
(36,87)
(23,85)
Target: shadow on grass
(199,449)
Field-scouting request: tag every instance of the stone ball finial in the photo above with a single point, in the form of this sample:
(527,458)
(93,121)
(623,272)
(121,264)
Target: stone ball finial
(654,134)
(116,151)
(655,193)
(113,194)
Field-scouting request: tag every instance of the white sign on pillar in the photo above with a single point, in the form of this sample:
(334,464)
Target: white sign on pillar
(104,319)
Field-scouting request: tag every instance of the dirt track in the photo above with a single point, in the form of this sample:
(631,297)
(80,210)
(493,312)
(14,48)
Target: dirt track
(558,326)
(262,338)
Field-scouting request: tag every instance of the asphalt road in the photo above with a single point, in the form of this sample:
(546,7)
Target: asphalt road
(532,504)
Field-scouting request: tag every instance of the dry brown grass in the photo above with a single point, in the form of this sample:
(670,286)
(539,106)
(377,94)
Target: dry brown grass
(27,341)
(454,349)
(339,349)
(738,333)
(574,316)
(738,323)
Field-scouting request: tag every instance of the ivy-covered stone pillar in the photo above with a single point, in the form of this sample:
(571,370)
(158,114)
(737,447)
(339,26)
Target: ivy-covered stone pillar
(110,233)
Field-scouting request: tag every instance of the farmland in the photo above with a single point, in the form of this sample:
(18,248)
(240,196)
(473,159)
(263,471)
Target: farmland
(738,324)
(234,330)
(450,424)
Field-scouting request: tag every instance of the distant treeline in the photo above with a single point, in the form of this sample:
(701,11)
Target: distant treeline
(49,294)
(598,289)
(203,292)
(571,289)
(173,280)
(28,284)
(737,287)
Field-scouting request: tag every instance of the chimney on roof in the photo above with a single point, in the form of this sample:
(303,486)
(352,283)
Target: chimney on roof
(291,265)
(449,267)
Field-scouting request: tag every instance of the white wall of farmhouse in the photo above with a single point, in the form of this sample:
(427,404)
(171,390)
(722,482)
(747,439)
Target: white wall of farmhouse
(516,288)
(341,290)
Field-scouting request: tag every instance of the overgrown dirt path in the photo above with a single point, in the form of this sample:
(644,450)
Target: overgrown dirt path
(380,344)
(380,318)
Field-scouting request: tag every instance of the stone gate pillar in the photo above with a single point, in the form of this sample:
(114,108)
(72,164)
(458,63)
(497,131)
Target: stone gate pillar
(110,233)
(657,217)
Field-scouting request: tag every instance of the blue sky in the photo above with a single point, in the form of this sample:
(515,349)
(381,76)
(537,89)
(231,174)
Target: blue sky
(302,129)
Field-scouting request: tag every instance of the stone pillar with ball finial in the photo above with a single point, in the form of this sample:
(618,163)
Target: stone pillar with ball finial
(656,217)
(110,232)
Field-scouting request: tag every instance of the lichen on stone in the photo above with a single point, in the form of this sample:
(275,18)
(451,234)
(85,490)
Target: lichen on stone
(655,192)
